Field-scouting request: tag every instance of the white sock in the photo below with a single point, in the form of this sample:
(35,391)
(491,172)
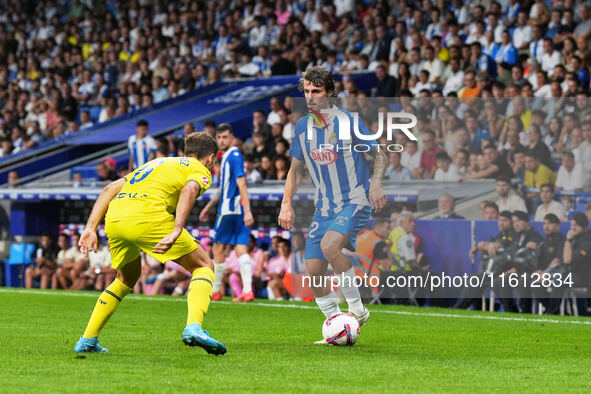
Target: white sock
(351,292)
(328,304)
(245,273)
(218,270)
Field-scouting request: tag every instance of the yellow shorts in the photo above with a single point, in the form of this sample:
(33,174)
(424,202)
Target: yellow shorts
(126,238)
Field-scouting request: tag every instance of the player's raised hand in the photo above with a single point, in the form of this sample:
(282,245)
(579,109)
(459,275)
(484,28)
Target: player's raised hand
(286,216)
(248,219)
(377,197)
(166,243)
(88,242)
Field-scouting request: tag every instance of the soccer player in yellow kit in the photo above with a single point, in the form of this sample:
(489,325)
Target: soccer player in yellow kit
(147,210)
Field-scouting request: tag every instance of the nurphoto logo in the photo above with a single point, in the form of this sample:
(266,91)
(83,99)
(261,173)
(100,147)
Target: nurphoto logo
(325,152)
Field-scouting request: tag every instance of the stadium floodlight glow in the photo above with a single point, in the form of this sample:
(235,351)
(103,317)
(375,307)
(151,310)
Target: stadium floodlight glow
(344,131)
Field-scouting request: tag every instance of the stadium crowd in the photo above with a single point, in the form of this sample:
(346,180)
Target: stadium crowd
(500,89)
(66,65)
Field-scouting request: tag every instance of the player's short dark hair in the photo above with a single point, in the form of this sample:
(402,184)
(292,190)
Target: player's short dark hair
(319,76)
(224,127)
(141,122)
(200,145)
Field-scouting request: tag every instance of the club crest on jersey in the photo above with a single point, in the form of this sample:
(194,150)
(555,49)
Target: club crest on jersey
(341,220)
(323,156)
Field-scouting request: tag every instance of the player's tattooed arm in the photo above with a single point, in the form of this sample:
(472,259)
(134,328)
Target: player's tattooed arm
(377,197)
(379,166)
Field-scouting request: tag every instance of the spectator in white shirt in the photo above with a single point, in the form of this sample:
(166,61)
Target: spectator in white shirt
(411,156)
(522,34)
(548,204)
(571,176)
(551,57)
(536,46)
(494,25)
(395,171)
(446,171)
(509,201)
(258,33)
(422,84)
(252,174)
(85,121)
(453,77)
(433,65)
(478,35)
(584,148)
(343,7)
(248,68)
(273,116)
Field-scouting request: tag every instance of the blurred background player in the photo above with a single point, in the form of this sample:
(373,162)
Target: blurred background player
(343,208)
(234,215)
(147,210)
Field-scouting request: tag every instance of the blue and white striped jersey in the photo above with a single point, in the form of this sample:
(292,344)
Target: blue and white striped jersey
(232,168)
(339,175)
(141,149)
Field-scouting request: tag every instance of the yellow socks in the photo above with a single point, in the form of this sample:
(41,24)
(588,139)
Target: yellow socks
(198,299)
(105,306)
(199,294)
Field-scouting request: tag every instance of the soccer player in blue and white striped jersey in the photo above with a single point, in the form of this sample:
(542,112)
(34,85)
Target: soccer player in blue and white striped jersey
(345,188)
(234,215)
(142,147)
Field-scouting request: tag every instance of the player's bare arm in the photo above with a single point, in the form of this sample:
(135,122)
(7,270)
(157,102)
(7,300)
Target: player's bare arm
(292,183)
(187,199)
(88,239)
(377,197)
(204,214)
(248,218)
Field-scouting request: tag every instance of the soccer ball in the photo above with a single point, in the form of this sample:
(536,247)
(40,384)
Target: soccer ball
(341,329)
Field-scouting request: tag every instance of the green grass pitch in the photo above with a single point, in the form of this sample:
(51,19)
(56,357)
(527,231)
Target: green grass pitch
(270,349)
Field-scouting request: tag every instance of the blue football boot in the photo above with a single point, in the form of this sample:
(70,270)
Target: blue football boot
(194,335)
(89,345)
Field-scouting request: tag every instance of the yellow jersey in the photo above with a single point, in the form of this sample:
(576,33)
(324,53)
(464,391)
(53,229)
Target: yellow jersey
(151,192)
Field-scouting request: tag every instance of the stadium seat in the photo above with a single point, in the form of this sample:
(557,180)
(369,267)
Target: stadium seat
(21,254)
(95,113)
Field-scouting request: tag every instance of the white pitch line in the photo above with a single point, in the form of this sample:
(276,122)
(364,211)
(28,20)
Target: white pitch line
(297,306)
